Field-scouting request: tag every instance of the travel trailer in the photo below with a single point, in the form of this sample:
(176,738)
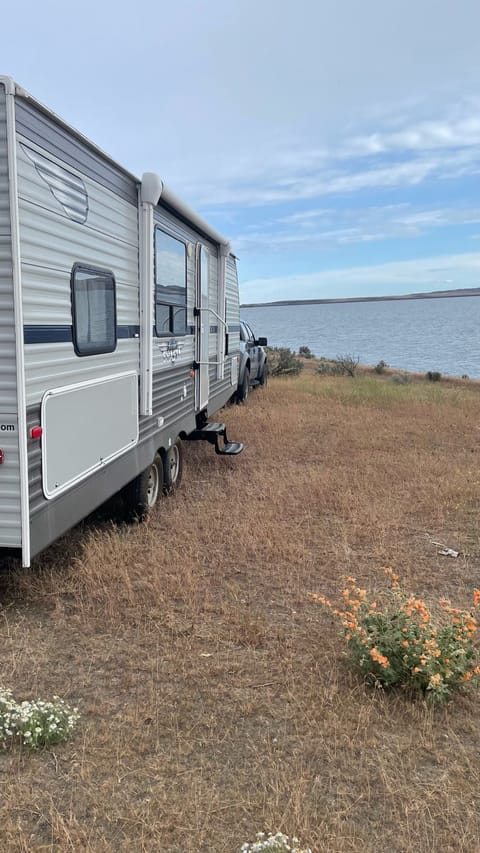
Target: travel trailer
(119,329)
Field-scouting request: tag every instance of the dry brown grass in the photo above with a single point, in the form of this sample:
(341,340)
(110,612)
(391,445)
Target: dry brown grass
(214,696)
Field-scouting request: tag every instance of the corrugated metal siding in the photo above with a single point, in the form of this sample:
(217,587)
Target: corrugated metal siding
(8,379)
(170,403)
(50,243)
(35,492)
(10,524)
(8,382)
(42,128)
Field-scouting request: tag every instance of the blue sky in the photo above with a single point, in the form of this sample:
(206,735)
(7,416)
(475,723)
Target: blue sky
(336,143)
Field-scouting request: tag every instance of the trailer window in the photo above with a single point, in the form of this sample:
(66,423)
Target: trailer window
(93,310)
(170,284)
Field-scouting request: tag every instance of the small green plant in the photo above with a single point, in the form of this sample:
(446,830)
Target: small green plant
(328,367)
(433,376)
(35,723)
(400,378)
(282,361)
(380,367)
(306,352)
(395,641)
(278,843)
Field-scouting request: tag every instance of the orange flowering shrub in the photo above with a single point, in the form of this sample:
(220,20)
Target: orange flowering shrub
(396,642)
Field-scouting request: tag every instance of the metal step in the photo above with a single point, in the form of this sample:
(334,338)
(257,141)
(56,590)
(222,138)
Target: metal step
(212,432)
(230,448)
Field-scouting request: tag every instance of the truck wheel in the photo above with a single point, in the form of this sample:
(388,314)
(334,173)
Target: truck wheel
(263,378)
(243,389)
(173,467)
(141,495)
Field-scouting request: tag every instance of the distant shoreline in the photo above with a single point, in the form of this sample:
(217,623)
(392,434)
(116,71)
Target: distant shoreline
(433,294)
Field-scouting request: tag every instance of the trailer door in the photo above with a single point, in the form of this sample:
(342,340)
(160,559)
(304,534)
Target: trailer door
(202,329)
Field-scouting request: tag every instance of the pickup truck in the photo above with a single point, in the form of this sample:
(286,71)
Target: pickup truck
(253,368)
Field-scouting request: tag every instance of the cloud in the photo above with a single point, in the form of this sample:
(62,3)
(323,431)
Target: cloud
(436,273)
(328,227)
(281,177)
(454,131)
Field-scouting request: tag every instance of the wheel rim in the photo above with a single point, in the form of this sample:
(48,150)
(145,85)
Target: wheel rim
(174,463)
(152,486)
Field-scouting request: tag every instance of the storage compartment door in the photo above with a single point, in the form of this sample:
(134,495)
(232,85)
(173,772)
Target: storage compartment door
(85,426)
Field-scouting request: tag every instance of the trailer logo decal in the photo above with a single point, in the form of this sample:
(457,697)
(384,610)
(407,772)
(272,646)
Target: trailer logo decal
(170,351)
(7,427)
(68,189)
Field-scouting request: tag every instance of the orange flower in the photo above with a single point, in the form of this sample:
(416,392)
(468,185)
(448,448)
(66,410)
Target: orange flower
(379,658)
(405,643)
(321,599)
(476,597)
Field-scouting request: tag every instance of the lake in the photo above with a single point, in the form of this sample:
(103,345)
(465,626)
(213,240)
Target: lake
(415,334)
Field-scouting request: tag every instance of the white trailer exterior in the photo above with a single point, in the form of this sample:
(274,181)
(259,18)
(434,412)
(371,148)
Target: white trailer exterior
(119,324)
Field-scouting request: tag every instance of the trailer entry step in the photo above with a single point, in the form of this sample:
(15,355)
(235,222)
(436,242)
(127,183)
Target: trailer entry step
(212,432)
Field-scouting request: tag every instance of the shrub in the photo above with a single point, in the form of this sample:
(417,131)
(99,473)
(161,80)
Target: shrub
(433,376)
(278,843)
(328,367)
(282,361)
(35,723)
(397,642)
(343,365)
(348,364)
(465,376)
(306,352)
(380,367)
(400,379)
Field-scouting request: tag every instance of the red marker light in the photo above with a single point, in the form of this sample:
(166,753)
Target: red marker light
(1,456)
(36,432)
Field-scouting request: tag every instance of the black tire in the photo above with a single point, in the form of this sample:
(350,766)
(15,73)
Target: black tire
(263,378)
(244,388)
(173,467)
(141,495)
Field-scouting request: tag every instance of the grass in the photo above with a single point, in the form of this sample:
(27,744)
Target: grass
(214,696)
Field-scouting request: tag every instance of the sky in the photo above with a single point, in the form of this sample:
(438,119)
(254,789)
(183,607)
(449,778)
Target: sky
(336,143)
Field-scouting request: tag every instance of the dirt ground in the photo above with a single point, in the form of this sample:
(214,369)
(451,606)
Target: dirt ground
(214,695)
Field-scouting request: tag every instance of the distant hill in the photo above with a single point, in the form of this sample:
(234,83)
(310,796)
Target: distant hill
(432,294)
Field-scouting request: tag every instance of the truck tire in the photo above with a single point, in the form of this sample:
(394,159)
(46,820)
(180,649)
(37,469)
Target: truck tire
(173,467)
(263,378)
(141,495)
(243,389)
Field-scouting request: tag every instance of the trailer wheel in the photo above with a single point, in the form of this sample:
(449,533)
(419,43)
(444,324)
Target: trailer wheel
(173,467)
(141,495)
(243,389)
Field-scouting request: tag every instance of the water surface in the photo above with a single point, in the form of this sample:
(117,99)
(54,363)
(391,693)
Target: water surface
(415,334)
